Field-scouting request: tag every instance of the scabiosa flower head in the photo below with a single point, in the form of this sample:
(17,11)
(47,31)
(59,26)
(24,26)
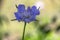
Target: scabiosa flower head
(26,15)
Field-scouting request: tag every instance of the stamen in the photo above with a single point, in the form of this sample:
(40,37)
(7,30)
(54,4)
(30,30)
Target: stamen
(38,8)
(16,6)
(13,19)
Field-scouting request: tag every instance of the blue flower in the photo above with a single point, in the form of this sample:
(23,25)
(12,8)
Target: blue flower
(26,15)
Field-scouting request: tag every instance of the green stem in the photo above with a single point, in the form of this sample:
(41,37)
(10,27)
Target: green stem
(24,31)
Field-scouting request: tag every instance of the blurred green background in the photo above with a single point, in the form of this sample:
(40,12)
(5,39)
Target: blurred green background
(46,28)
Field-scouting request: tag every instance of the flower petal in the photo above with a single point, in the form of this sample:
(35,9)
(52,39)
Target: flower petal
(35,10)
(21,8)
(18,16)
(28,9)
(33,18)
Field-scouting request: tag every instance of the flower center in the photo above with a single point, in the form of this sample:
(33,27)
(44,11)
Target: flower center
(27,16)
